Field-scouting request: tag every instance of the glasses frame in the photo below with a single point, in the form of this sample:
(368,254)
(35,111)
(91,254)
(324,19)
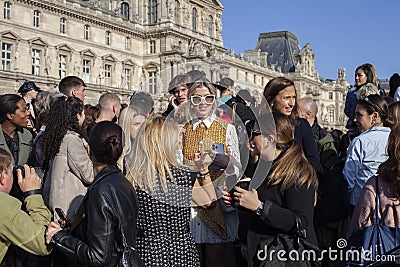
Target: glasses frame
(202,99)
(255,133)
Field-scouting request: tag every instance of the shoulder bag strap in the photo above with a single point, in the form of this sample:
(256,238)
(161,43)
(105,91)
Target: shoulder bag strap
(234,113)
(377,201)
(121,229)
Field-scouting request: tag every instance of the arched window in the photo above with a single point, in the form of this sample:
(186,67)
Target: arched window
(125,10)
(152,11)
(210,26)
(177,6)
(194,19)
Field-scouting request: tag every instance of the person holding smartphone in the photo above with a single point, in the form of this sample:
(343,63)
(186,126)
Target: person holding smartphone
(289,187)
(109,207)
(213,229)
(178,88)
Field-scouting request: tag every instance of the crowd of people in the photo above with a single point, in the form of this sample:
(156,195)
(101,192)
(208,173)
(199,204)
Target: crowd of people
(208,182)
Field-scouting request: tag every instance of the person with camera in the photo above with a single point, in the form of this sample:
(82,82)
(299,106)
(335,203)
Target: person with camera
(25,230)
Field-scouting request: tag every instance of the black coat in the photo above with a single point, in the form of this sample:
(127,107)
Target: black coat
(304,135)
(278,215)
(95,239)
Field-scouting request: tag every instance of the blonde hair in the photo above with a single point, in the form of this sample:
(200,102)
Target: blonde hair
(125,118)
(154,154)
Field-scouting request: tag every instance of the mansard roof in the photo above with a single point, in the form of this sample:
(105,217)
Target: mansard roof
(282,48)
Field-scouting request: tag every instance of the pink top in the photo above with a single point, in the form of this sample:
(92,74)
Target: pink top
(363,215)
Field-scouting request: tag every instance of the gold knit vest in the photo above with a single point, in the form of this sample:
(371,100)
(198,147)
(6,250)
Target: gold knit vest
(194,141)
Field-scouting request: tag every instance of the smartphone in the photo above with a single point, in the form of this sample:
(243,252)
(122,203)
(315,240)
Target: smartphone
(244,183)
(219,148)
(63,216)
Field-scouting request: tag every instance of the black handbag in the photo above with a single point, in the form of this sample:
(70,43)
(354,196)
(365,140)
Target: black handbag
(129,256)
(374,245)
(295,250)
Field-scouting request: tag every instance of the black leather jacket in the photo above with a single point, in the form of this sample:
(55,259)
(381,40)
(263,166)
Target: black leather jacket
(95,238)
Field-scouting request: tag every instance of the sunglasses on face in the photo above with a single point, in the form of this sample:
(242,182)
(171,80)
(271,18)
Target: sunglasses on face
(197,100)
(255,133)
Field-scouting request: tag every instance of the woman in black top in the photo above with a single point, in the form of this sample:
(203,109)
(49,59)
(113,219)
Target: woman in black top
(289,188)
(95,237)
(280,94)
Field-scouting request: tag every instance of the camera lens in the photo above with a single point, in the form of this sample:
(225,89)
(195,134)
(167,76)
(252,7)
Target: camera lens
(15,171)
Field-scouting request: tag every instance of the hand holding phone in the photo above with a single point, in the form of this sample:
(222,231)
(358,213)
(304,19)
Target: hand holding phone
(64,221)
(221,160)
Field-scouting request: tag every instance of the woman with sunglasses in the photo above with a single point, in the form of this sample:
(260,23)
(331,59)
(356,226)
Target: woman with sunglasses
(368,150)
(212,227)
(287,190)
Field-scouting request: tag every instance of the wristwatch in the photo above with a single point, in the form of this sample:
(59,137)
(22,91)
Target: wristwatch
(204,176)
(260,209)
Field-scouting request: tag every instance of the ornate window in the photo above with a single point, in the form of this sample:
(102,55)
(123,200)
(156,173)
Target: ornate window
(6,56)
(86,65)
(127,43)
(36,18)
(36,54)
(330,95)
(63,23)
(125,10)
(152,11)
(86,33)
(177,6)
(7,10)
(62,66)
(153,82)
(108,38)
(210,26)
(194,19)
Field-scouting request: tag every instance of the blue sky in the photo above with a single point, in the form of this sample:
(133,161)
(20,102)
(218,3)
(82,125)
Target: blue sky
(342,33)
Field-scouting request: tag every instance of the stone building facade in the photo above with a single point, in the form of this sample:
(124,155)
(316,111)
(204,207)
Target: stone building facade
(123,46)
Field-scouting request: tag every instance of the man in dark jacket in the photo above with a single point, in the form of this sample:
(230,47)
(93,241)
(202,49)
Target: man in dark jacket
(325,142)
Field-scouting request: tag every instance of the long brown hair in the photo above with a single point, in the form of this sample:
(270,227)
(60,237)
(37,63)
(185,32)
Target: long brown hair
(291,167)
(272,89)
(390,169)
